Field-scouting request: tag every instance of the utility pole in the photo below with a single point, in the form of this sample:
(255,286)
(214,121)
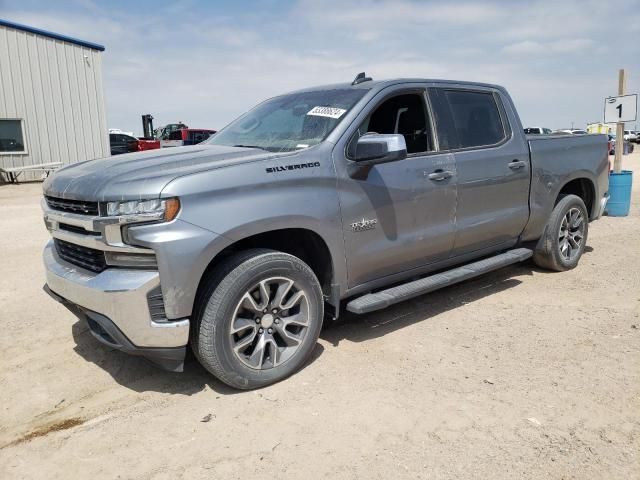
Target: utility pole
(617,160)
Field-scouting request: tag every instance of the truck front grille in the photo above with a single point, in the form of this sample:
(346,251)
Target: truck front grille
(73,206)
(81,256)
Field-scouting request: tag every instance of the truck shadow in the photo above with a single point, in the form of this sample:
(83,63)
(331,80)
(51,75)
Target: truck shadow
(360,328)
(139,375)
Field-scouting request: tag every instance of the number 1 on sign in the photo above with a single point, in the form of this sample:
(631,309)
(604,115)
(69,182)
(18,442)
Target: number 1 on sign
(619,108)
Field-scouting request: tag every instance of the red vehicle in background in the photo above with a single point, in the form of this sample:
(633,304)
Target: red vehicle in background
(186,136)
(124,143)
(172,135)
(146,144)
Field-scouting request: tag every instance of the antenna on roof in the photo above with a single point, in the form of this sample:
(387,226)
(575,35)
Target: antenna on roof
(361,77)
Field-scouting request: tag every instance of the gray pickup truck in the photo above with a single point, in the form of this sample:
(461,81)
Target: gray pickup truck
(357,196)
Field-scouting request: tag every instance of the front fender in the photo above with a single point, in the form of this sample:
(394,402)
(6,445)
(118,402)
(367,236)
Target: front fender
(244,200)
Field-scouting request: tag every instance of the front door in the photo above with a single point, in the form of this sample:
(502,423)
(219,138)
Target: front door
(398,216)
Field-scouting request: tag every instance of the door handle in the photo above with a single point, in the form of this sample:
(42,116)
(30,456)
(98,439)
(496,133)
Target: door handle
(516,164)
(439,175)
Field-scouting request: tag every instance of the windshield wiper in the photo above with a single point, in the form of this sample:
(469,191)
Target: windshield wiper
(252,146)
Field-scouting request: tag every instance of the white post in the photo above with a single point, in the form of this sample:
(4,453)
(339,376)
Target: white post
(617,161)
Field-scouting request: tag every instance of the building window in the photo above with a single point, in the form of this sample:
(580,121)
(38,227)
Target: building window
(11,137)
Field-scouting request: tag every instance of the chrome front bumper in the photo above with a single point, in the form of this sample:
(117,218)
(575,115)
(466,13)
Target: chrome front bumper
(118,294)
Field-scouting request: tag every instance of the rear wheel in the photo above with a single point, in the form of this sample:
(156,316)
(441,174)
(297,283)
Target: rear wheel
(260,317)
(565,235)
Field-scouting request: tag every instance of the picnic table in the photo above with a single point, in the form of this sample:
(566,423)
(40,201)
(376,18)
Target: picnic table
(12,173)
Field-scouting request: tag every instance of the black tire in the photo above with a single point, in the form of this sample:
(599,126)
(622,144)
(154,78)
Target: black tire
(217,305)
(548,253)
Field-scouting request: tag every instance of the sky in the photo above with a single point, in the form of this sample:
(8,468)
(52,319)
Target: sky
(206,62)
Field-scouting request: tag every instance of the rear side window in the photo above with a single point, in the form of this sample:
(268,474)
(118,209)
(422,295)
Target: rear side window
(475,118)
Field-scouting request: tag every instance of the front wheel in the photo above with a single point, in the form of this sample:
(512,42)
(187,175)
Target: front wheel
(260,317)
(565,235)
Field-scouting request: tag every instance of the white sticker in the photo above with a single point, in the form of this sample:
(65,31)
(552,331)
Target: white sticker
(331,112)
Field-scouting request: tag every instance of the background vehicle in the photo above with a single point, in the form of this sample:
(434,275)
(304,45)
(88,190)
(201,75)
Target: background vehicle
(631,136)
(628,147)
(122,143)
(340,195)
(537,131)
(186,136)
(162,133)
(570,131)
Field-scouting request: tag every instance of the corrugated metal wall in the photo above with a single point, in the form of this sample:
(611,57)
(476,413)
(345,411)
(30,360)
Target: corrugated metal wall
(56,88)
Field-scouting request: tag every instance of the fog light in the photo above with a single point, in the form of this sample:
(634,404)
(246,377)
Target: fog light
(133,260)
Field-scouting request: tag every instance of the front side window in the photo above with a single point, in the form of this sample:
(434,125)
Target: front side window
(476,118)
(290,122)
(11,137)
(403,114)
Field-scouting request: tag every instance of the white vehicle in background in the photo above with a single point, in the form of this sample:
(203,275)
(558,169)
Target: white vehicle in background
(120,132)
(631,135)
(537,131)
(571,131)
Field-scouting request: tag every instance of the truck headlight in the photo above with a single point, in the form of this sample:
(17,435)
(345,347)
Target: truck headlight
(157,209)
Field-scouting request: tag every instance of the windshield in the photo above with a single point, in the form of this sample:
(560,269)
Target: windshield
(289,122)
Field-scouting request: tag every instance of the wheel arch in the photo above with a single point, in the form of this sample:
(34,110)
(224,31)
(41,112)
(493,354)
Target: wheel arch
(582,187)
(303,243)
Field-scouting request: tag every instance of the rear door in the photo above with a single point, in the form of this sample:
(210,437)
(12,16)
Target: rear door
(493,168)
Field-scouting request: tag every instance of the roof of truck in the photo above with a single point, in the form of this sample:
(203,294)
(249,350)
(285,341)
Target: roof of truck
(380,84)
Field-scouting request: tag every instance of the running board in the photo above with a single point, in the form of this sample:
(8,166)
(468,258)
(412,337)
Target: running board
(376,301)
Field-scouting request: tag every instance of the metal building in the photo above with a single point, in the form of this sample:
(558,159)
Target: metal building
(51,98)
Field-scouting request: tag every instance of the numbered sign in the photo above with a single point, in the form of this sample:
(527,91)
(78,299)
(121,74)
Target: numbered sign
(621,109)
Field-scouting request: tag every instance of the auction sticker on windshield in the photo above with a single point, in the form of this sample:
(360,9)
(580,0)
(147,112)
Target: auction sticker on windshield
(331,112)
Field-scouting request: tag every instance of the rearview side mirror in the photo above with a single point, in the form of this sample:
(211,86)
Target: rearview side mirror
(374,148)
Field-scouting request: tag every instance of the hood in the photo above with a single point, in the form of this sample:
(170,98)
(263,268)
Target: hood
(143,174)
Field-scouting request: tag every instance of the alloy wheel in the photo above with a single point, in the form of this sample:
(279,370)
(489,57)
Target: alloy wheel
(571,234)
(269,323)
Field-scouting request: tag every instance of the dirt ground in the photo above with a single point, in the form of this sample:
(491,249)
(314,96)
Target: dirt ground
(519,374)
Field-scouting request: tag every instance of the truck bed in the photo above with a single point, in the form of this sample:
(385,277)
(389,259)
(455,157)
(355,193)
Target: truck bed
(555,161)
